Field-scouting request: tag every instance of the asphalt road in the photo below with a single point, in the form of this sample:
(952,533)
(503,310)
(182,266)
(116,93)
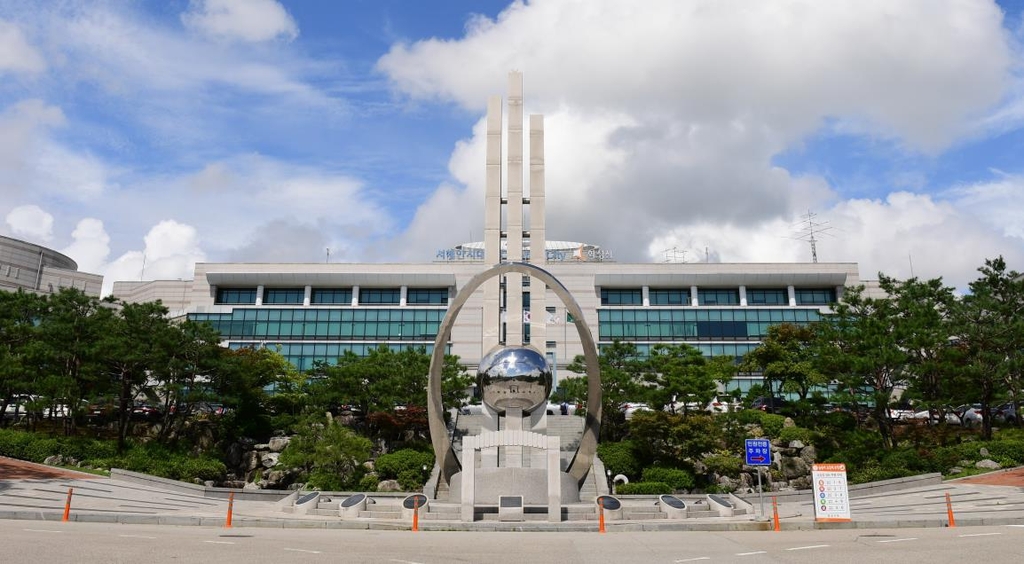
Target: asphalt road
(31,541)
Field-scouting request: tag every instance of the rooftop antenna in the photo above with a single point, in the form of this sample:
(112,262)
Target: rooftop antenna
(675,254)
(328,259)
(142,273)
(809,228)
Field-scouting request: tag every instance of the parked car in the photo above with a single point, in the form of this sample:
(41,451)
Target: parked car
(769,404)
(629,408)
(901,412)
(146,412)
(970,415)
(563,408)
(1005,413)
(935,416)
(19,406)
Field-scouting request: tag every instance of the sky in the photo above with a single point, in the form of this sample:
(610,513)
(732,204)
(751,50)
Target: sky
(140,138)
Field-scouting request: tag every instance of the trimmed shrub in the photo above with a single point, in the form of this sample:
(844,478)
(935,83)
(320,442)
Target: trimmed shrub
(789,434)
(619,458)
(14,443)
(393,465)
(676,478)
(723,464)
(643,488)
(368,483)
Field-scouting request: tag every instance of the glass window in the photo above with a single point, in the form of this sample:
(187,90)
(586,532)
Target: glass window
(815,296)
(712,296)
(236,296)
(425,296)
(331,296)
(669,297)
(272,296)
(380,296)
(776,296)
(615,297)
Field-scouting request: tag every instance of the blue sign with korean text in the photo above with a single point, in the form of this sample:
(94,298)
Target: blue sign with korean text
(759,452)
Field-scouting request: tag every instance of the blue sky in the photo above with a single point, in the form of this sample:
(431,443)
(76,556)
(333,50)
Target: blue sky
(166,133)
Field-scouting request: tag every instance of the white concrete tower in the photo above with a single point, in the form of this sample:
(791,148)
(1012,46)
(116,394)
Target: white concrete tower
(537,236)
(515,317)
(492,225)
(508,226)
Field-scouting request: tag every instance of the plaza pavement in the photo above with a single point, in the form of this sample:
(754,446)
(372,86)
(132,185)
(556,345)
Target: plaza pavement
(35,492)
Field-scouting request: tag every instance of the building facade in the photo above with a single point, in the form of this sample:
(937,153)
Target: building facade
(34,268)
(317,312)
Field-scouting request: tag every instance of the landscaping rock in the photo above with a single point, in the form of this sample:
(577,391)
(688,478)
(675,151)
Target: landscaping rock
(987,464)
(389,486)
(278,444)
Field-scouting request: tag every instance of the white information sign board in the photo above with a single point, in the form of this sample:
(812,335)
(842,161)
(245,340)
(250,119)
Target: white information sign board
(831,494)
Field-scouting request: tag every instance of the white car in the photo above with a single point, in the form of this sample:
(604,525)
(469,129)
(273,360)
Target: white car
(970,415)
(934,417)
(629,408)
(556,408)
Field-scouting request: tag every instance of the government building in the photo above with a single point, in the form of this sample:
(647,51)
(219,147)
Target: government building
(37,269)
(317,311)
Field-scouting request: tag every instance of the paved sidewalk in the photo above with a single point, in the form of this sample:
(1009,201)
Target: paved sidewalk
(36,492)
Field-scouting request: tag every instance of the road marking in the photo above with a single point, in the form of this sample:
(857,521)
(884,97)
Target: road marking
(135,537)
(303,550)
(404,561)
(808,547)
(219,542)
(695,559)
(980,535)
(898,540)
(42,531)
(751,553)
(1015,525)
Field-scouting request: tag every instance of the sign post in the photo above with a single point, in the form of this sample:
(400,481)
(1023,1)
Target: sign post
(759,453)
(831,494)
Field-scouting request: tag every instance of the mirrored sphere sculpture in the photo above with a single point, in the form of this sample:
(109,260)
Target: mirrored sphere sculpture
(514,377)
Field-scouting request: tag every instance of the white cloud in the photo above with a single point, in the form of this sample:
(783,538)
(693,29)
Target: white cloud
(16,54)
(245,20)
(662,124)
(90,246)
(916,68)
(170,251)
(31,222)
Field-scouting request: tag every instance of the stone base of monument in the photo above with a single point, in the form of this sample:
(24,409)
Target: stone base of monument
(531,483)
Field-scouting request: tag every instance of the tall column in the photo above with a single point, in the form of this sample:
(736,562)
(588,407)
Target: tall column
(514,209)
(743,296)
(693,296)
(355,296)
(307,295)
(537,231)
(492,224)
(259,295)
(645,296)
(403,295)
(792,296)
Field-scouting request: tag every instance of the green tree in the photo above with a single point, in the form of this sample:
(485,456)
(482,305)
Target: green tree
(679,374)
(18,314)
(989,337)
(71,327)
(137,341)
(786,360)
(622,369)
(329,454)
(872,345)
(185,380)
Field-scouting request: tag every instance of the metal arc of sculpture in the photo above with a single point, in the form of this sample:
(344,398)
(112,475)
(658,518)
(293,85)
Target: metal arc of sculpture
(439,438)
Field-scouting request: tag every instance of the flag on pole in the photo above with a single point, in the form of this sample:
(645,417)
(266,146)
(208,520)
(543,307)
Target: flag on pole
(569,318)
(552,318)
(526,316)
